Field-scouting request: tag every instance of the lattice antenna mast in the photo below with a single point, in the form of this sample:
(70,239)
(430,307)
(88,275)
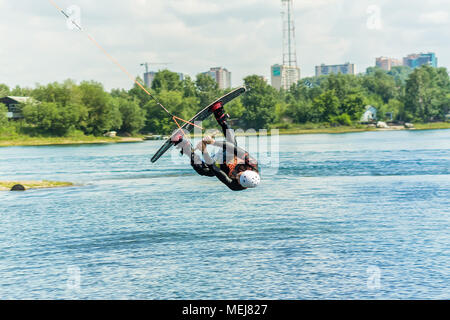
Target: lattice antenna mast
(289,47)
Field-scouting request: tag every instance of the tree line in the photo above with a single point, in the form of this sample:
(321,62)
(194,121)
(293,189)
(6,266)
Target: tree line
(419,95)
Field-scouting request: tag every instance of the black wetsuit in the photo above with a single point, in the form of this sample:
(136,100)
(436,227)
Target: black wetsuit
(231,152)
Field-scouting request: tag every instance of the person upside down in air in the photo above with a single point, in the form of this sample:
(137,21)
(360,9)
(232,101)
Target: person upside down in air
(234,166)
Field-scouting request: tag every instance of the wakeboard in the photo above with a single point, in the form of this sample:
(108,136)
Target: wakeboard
(202,115)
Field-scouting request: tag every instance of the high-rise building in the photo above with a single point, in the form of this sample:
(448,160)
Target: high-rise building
(347,68)
(285,75)
(150,76)
(418,59)
(386,63)
(221,75)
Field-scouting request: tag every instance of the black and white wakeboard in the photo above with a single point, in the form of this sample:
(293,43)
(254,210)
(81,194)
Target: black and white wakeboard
(202,115)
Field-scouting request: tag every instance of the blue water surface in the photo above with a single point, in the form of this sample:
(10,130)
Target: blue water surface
(360,215)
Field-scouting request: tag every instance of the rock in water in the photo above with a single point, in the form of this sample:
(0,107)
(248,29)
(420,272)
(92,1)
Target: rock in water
(381,124)
(18,187)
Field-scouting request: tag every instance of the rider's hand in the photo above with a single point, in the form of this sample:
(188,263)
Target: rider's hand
(208,140)
(205,141)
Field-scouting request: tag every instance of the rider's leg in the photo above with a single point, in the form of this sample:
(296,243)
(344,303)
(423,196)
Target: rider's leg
(221,117)
(230,143)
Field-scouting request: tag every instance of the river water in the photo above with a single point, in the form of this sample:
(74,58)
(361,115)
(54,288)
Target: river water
(360,215)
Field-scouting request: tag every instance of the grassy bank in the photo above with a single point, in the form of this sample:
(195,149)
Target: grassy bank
(7,185)
(308,129)
(432,125)
(342,129)
(24,140)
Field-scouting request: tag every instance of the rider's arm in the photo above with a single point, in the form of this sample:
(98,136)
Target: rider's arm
(222,176)
(200,167)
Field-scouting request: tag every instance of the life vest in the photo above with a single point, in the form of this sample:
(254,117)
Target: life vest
(235,167)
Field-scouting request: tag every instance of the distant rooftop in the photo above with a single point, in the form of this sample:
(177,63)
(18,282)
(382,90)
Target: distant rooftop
(20,99)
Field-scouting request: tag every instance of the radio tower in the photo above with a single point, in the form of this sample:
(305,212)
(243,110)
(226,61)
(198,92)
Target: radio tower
(289,50)
(285,75)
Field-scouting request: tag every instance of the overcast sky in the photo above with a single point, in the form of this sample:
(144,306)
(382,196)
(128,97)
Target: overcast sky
(244,36)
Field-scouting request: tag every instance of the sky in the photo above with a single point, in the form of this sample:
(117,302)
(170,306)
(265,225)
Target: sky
(244,36)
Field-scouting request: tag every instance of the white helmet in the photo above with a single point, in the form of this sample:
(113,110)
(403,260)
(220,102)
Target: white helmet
(249,179)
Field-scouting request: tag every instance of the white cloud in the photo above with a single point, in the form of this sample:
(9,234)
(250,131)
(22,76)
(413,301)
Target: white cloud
(195,6)
(436,17)
(243,36)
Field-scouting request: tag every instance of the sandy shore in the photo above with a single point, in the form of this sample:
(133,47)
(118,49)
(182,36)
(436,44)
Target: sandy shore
(65,141)
(7,185)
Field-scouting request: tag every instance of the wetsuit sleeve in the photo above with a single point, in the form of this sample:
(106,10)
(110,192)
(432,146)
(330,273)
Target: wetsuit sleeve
(225,179)
(200,166)
(203,170)
(222,176)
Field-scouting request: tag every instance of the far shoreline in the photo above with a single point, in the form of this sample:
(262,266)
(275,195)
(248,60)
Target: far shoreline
(63,141)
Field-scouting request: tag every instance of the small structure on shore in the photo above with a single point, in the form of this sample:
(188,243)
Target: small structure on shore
(13,105)
(369,115)
(111,134)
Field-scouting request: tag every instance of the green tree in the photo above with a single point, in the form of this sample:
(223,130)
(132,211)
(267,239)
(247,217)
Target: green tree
(133,117)
(207,89)
(381,84)
(43,115)
(444,107)
(205,83)
(158,121)
(189,89)
(298,91)
(4,90)
(342,119)
(353,105)
(259,103)
(235,108)
(20,92)
(51,118)
(167,80)
(400,74)
(426,91)
(61,93)
(396,108)
(104,114)
(138,93)
(302,111)
(121,93)
(342,85)
(327,105)
(3,117)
